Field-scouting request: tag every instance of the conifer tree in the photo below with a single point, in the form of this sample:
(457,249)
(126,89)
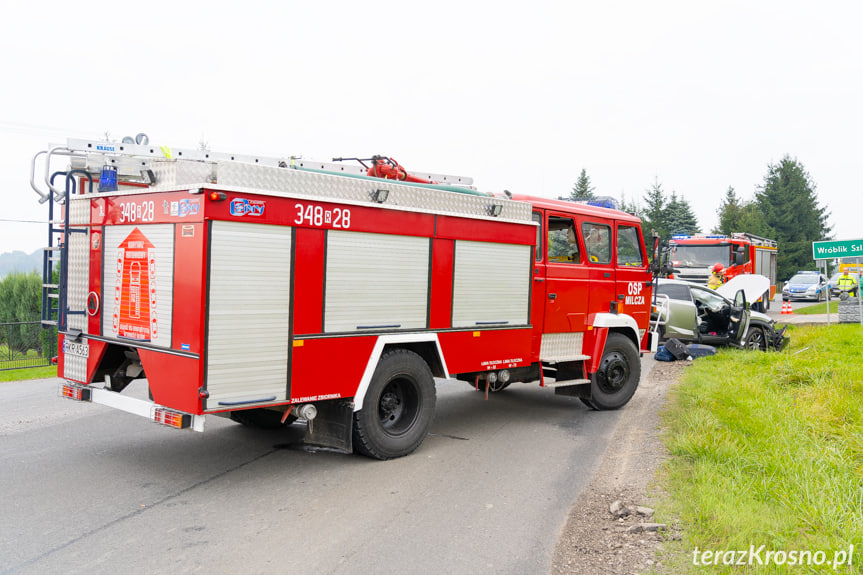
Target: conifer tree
(789,206)
(583,189)
(679,218)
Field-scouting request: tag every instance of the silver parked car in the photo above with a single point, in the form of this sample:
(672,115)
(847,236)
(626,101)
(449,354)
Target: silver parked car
(694,313)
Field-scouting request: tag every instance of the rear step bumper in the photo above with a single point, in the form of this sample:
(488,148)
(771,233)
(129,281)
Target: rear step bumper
(149,409)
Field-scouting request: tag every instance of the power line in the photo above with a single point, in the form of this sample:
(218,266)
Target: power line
(25,221)
(30,128)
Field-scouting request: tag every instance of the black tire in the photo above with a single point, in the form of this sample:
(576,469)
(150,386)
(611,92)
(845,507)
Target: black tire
(756,339)
(398,407)
(615,382)
(261,418)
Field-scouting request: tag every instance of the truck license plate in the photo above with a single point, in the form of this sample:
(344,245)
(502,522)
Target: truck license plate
(77,349)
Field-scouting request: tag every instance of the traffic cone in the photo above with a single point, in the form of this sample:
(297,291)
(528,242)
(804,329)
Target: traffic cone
(786,308)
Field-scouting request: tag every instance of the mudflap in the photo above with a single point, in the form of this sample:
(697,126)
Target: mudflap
(579,390)
(333,426)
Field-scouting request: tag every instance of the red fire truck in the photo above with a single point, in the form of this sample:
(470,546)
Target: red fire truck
(271,290)
(692,257)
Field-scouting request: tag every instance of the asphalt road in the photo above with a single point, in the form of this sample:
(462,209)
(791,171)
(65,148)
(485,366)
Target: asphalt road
(86,489)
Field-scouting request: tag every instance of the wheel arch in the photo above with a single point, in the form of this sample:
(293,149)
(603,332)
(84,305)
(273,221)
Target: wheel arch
(607,323)
(424,345)
(620,323)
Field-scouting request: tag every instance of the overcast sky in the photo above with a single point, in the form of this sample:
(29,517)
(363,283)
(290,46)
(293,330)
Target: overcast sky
(698,96)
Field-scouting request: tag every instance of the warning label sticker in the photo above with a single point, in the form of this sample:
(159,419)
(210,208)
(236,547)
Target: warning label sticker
(137,275)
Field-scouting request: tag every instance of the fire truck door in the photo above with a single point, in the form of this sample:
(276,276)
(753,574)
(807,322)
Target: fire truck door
(600,265)
(537,292)
(566,277)
(633,294)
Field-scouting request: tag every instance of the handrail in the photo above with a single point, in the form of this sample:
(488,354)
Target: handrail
(58,194)
(43,197)
(662,304)
(53,192)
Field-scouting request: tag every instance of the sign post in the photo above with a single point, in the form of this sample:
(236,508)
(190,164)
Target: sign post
(842,249)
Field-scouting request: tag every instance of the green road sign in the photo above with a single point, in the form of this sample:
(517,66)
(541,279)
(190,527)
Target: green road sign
(837,249)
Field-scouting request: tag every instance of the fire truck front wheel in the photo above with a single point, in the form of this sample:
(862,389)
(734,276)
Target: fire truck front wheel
(615,382)
(398,407)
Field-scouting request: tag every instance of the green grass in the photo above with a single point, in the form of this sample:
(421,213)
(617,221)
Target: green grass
(28,373)
(818,308)
(767,449)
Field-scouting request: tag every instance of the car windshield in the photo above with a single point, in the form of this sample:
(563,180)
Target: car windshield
(806,280)
(701,256)
(708,297)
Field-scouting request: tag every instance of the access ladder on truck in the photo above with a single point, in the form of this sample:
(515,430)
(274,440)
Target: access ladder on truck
(56,252)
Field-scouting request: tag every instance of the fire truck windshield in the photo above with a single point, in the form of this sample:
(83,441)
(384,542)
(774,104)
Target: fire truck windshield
(701,256)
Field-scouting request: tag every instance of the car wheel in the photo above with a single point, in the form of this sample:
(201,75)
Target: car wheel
(756,340)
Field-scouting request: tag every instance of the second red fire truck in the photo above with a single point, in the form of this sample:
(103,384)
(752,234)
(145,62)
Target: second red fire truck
(693,256)
(271,290)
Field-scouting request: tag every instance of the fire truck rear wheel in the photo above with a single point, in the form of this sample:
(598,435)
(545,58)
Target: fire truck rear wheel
(398,407)
(615,382)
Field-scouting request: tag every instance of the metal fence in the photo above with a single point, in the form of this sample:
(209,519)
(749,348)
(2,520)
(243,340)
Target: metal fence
(26,344)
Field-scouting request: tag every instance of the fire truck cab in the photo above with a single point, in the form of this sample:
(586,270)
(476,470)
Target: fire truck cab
(269,290)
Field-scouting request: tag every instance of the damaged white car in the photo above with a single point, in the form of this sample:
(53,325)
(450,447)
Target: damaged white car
(697,314)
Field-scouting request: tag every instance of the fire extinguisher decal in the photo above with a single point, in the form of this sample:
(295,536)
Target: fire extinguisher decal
(134,313)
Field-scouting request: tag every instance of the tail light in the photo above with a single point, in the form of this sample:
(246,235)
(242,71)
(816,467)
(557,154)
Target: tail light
(76,392)
(171,418)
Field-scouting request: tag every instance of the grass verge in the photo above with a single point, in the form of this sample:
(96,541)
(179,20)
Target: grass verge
(28,373)
(767,449)
(818,308)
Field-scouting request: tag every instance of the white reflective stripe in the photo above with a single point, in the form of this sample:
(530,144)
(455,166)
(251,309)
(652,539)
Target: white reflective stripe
(617,320)
(134,405)
(378,350)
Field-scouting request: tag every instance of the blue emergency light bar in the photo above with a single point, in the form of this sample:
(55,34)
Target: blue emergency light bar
(698,237)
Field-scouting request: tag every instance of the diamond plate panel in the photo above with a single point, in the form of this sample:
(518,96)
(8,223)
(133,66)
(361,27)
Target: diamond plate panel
(75,368)
(289,182)
(78,280)
(171,174)
(176,174)
(557,347)
(79,211)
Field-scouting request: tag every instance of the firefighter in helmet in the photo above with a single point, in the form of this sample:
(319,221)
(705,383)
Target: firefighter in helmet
(716,278)
(846,281)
